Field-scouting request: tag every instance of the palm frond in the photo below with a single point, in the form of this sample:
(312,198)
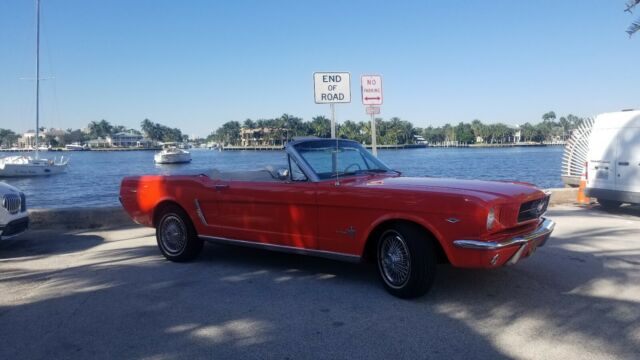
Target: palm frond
(631,4)
(635,26)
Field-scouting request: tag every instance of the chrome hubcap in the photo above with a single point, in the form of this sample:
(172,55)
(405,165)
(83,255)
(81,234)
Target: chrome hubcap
(173,234)
(394,259)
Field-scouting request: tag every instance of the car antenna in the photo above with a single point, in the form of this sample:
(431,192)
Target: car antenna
(337,171)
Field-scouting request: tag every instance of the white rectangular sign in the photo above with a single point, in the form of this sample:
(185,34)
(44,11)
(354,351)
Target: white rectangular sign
(371,86)
(373,110)
(332,87)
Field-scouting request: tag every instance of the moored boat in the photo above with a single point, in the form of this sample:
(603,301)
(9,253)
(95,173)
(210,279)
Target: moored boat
(18,166)
(172,155)
(76,147)
(14,166)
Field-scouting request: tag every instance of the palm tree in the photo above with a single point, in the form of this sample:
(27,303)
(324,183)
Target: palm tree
(320,127)
(350,130)
(249,124)
(635,26)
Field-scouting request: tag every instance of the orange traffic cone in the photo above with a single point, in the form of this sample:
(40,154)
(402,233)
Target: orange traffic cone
(582,198)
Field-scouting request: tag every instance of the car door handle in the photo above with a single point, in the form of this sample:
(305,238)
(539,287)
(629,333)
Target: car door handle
(221,186)
(623,163)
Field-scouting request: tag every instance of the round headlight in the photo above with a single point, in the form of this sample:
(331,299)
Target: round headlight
(491,218)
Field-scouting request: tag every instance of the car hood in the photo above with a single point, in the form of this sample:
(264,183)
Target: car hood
(6,188)
(483,189)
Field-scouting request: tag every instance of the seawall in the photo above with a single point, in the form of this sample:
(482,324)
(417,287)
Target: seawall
(79,218)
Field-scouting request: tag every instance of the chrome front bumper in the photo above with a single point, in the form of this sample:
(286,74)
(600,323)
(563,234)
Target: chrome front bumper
(539,235)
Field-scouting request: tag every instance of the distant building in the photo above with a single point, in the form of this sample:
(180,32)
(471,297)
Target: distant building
(419,139)
(28,139)
(56,134)
(99,143)
(517,135)
(125,139)
(263,136)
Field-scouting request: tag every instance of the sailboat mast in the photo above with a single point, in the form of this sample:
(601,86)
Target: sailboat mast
(37,76)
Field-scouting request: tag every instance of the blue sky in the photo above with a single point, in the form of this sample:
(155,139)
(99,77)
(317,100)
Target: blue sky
(197,64)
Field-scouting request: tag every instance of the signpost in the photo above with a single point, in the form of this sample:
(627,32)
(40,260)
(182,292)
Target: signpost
(371,89)
(331,88)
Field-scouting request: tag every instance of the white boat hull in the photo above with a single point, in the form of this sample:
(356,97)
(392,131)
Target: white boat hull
(161,158)
(27,167)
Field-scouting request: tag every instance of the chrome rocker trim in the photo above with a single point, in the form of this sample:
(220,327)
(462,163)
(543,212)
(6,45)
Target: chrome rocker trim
(283,248)
(543,231)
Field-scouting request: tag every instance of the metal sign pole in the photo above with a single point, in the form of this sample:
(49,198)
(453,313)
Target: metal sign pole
(374,145)
(333,120)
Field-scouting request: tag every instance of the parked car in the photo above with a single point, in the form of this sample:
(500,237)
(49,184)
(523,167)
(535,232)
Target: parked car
(14,218)
(334,199)
(613,161)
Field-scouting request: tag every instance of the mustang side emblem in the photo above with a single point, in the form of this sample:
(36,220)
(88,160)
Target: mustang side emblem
(350,232)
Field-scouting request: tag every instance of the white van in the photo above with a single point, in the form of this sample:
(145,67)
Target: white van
(613,162)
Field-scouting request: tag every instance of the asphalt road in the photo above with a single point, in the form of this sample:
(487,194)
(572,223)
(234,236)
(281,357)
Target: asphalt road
(110,295)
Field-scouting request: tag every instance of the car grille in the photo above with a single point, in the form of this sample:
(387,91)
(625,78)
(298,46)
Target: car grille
(533,209)
(12,203)
(23,202)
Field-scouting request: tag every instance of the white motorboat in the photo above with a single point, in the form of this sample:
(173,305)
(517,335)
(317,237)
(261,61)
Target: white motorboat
(76,147)
(17,166)
(172,155)
(13,166)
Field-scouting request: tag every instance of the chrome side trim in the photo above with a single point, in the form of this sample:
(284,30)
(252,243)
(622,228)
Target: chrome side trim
(544,229)
(200,213)
(283,248)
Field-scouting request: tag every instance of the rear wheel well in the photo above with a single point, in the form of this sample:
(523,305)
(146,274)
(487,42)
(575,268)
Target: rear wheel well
(370,247)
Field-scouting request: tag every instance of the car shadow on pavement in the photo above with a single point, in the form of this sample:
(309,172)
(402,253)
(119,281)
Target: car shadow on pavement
(46,243)
(230,303)
(128,302)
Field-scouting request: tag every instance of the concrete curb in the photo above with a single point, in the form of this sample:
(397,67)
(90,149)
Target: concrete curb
(110,217)
(79,218)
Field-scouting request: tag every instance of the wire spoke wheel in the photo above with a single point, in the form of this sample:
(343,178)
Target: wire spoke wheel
(173,234)
(394,259)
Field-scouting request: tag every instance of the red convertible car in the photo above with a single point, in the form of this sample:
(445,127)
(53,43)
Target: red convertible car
(334,199)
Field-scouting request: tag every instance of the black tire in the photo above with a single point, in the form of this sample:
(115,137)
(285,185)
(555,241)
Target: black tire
(609,204)
(408,247)
(176,236)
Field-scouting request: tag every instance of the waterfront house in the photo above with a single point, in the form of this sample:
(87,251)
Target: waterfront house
(99,143)
(28,139)
(128,139)
(418,139)
(517,134)
(266,136)
(124,139)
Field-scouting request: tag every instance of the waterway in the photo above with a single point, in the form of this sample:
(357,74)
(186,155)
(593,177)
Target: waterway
(93,178)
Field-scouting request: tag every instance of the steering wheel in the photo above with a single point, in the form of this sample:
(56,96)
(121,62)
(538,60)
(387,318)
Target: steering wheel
(352,165)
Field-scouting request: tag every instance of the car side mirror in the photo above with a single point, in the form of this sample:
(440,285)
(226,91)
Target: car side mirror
(283,174)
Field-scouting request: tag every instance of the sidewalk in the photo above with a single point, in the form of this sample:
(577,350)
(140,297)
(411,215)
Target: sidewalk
(110,294)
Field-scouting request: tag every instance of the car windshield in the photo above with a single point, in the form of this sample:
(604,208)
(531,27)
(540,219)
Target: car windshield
(330,158)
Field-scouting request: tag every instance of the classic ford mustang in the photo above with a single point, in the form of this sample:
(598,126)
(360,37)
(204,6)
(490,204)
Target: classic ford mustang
(334,199)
